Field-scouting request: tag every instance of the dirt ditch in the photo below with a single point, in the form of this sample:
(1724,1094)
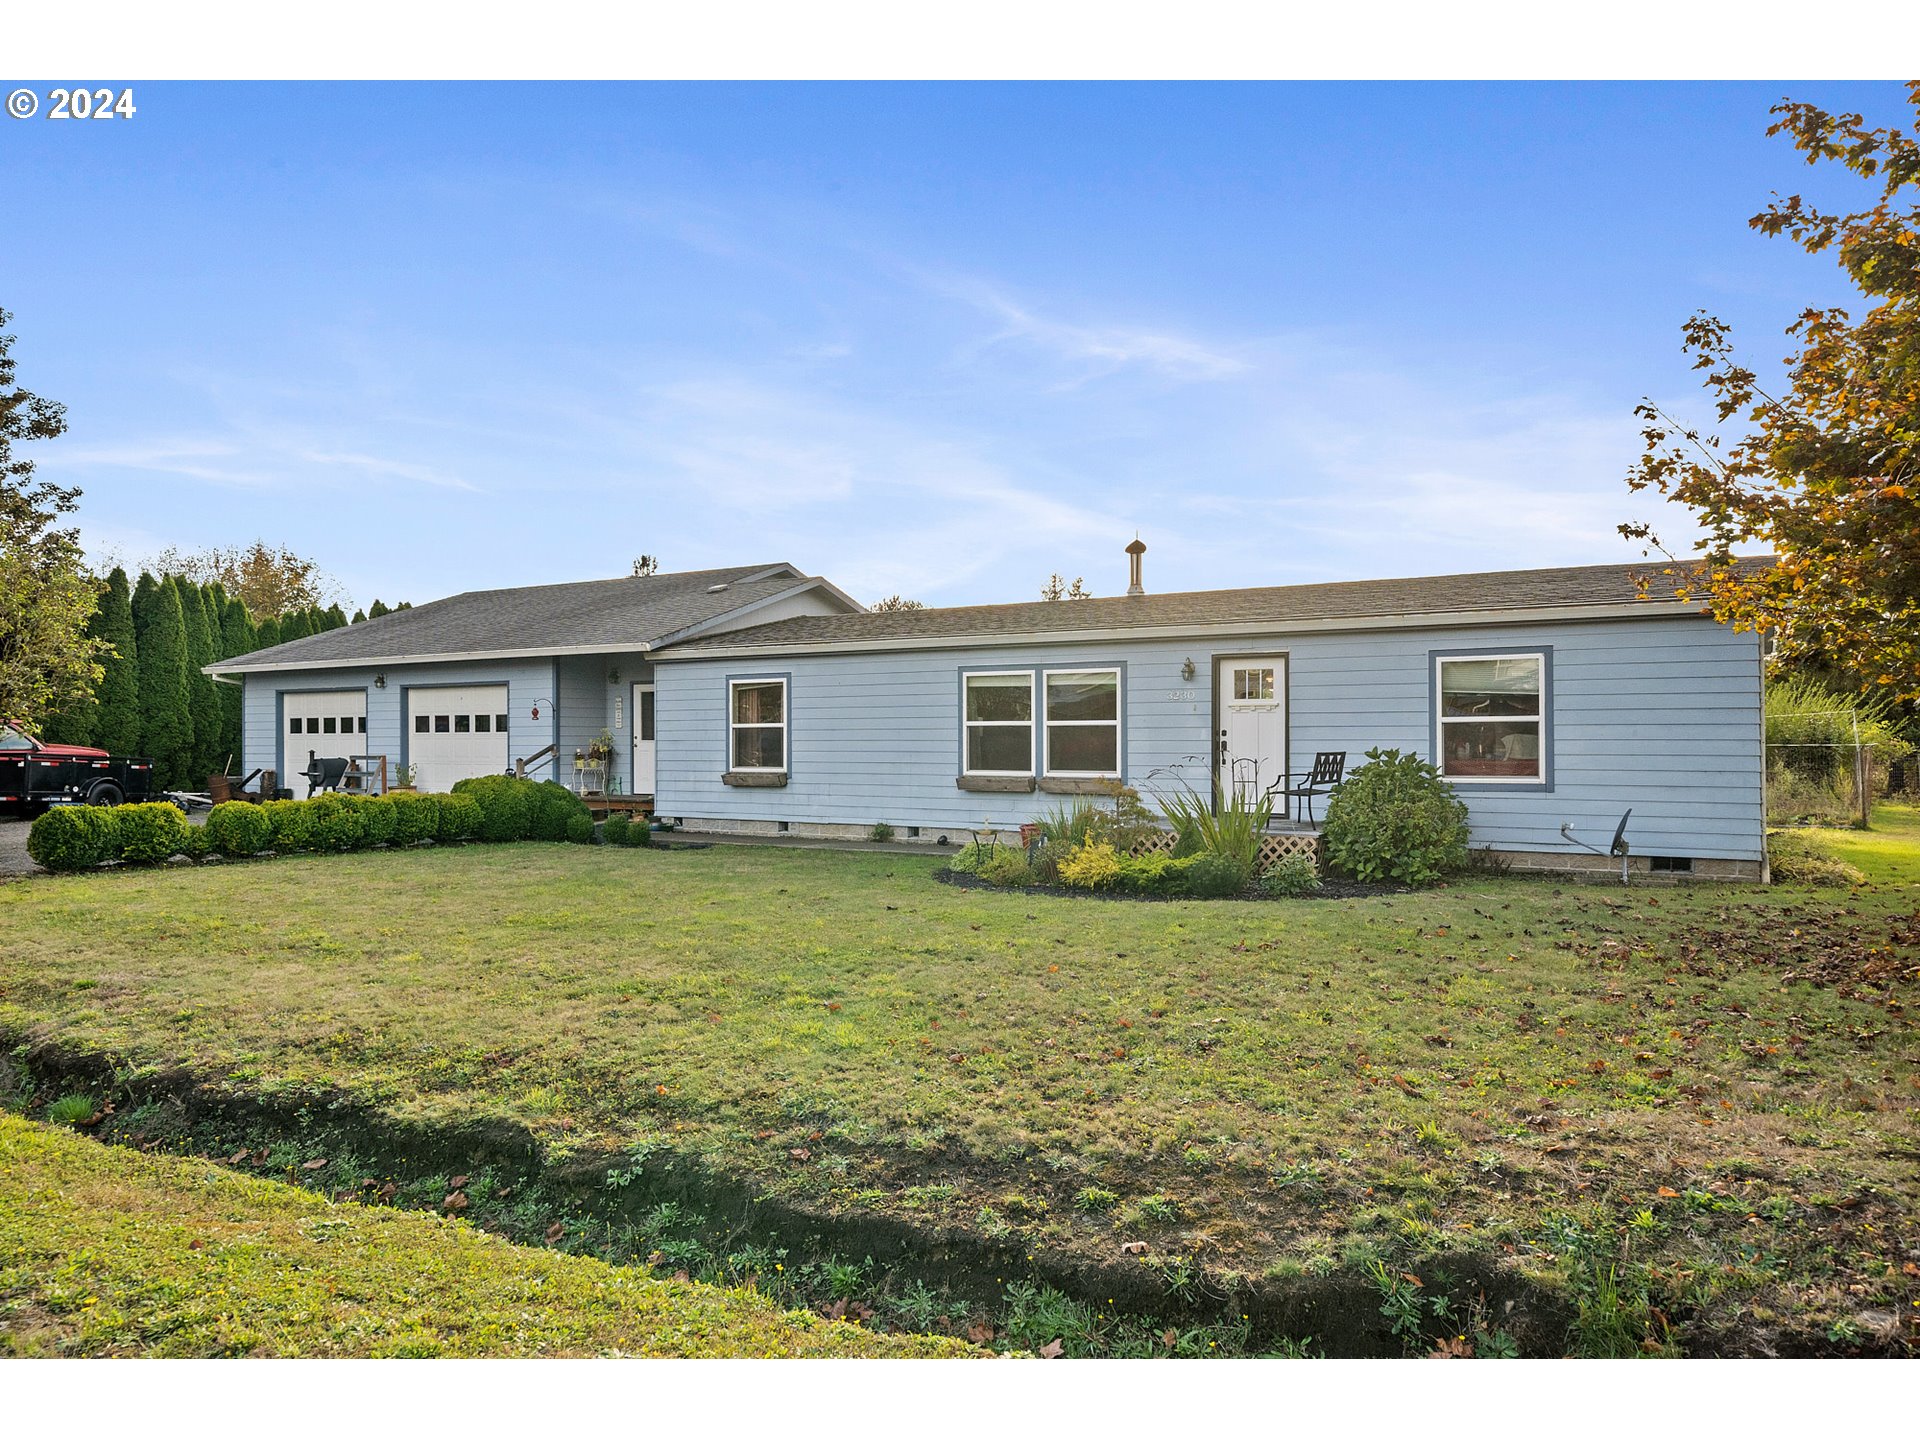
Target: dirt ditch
(600,1202)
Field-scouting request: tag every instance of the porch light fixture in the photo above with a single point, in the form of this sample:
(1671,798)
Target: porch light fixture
(1186,668)
(613,675)
(380,681)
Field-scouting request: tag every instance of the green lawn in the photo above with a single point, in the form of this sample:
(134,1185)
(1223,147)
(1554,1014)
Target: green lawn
(1713,1086)
(104,1251)
(1888,854)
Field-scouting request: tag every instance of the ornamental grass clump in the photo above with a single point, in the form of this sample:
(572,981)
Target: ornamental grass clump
(1229,824)
(1396,818)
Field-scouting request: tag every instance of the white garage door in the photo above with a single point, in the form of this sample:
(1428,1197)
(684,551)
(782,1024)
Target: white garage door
(331,724)
(456,732)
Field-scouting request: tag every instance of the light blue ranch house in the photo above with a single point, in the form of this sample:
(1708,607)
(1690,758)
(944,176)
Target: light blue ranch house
(760,700)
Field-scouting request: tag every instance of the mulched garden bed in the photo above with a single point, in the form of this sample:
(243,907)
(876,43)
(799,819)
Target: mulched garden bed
(1330,889)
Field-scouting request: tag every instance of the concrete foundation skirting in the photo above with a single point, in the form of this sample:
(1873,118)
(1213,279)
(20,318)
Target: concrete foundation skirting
(1582,866)
(930,835)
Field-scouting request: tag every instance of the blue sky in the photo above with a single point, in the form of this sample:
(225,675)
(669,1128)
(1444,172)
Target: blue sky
(936,339)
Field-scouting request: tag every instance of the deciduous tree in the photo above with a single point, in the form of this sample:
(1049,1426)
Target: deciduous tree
(270,580)
(48,661)
(1826,474)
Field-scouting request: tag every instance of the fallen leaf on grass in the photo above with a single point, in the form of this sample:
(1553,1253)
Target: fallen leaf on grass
(1052,1350)
(459,1182)
(318,1164)
(1135,1247)
(454,1203)
(1667,1192)
(555,1231)
(980,1333)
(801,1153)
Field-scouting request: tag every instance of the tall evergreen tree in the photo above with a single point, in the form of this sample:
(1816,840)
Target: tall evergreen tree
(295,625)
(203,698)
(116,720)
(336,617)
(266,634)
(358,617)
(236,638)
(166,719)
(377,609)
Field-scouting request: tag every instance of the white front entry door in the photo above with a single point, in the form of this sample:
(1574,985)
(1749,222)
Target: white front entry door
(1253,726)
(328,724)
(642,740)
(455,732)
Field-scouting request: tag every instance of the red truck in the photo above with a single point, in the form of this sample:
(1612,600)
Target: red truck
(35,776)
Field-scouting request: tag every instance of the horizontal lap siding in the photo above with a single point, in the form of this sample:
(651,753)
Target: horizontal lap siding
(529,684)
(1662,716)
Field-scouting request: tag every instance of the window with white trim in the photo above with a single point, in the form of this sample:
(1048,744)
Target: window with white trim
(1492,717)
(1082,722)
(757,724)
(998,712)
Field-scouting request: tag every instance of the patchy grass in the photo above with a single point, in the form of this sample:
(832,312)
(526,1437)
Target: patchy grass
(104,1251)
(1501,1069)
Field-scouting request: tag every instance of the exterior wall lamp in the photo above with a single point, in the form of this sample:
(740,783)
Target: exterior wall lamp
(380,681)
(1186,668)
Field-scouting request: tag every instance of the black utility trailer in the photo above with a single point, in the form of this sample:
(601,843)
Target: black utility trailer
(36,776)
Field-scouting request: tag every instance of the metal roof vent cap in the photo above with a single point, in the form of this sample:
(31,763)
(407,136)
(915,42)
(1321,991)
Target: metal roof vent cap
(716,589)
(1134,552)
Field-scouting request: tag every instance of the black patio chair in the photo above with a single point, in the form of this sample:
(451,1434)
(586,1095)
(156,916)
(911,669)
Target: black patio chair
(1329,766)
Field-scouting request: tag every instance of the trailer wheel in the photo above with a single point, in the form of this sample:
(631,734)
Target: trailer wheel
(105,793)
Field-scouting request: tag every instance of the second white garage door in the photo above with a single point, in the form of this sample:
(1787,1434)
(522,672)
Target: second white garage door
(456,732)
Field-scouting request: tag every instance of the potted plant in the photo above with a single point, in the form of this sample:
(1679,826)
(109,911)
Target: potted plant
(403,778)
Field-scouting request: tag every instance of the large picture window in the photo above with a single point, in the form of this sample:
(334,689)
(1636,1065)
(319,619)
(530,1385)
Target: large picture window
(1492,717)
(757,724)
(999,721)
(1083,722)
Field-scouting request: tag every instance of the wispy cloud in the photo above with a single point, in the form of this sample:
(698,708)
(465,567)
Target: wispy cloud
(377,465)
(1092,350)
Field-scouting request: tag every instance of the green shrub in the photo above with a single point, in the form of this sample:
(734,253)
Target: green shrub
(1395,818)
(1802,860)
(505,804)
(616,828)
(151,832)
(198,843)
(881,833)
(334,822)
(1152,875)
(379,818)
(1090,867)
(580,828)
(552,809)
(1295,875)
(640,832)
(287,824)
(971,857)
(74,837)
(1187,842)
(459,817)
(416,817)
(1216,877)
(1006,866)
(237,829)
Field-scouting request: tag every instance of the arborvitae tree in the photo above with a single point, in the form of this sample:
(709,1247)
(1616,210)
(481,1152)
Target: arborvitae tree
(358,617)
(236,638)
(377,609)
(203,697)
(336,617)
(166,722)
(266,634)
(116,716)
(404,605)
(295,625)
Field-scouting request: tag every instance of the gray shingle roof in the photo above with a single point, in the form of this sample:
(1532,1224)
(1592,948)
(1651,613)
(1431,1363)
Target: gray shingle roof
(624,614)
(1276,605)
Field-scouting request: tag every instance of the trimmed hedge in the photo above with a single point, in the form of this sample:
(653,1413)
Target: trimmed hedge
(238,829)
(150,832)
(74,837)
(516,809)
(495,807)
